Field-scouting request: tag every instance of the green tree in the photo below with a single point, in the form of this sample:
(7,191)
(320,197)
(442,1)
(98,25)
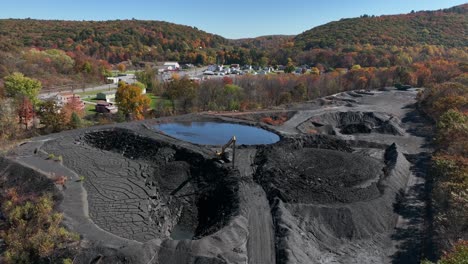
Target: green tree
(75,121)
(299,92)
(9,127)
(263,61)
(32,231)
(87,67)
(148,78)
(140,85)
(183,91)
(457,255)
(18,85)
(289,67)
(233,95)
(51,116)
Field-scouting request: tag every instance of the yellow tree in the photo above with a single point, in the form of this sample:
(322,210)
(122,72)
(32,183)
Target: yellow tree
(121,67)
(131,101)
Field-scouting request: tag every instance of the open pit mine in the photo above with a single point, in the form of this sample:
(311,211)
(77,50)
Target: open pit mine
(327,184)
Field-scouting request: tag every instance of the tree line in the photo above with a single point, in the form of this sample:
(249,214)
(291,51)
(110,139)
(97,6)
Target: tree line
(446,104)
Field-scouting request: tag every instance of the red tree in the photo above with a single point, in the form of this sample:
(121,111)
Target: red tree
(227,80)
(25,112)
(74,105)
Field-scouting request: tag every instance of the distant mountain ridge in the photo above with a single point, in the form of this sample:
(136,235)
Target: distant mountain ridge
(136,40)
(268,41)
(123,39)
(442,27)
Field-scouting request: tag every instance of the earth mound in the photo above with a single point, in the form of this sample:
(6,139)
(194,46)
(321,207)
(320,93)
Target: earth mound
(352,123)
(313,175)
(269,118)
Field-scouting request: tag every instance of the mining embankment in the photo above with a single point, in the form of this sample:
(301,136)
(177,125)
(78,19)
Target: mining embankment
(327,192)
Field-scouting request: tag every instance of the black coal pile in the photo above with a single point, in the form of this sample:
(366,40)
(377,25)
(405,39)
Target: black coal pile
(353,123)
(300,172)
(187,190)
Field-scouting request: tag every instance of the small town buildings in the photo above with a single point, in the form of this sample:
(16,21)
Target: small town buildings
(171,66)
(108,96)
(247,67)
(112,80)
(66,97)
(105,107)
(212,68)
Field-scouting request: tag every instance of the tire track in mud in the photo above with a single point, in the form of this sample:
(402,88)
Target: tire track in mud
(261,239)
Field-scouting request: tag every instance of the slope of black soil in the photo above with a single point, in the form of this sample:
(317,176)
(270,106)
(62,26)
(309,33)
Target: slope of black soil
(312,175)
(25,180)
(187,188)
(353,123)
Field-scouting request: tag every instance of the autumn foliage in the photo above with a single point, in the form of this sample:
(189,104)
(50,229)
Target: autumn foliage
(32,230)
(25,112)
(458,255)
(275,120)
(74,105)
(131,101)
(447,105)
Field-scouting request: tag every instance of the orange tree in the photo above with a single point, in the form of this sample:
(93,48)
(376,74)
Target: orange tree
(131,101)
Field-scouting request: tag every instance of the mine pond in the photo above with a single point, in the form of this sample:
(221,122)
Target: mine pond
(217,133)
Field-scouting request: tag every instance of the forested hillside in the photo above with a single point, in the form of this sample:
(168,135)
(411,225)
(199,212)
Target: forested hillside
(444,27)
(63,52)
(73,52)
(113,41)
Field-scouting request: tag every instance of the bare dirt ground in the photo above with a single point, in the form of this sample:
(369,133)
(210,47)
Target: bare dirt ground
(345,184)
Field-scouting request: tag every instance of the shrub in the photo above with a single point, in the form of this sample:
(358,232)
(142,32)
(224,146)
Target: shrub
(67,261)
(452,132)
(274,120)
(33,231)
(457,255)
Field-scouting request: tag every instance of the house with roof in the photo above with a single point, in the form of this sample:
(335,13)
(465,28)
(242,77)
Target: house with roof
(66,97)
(171,66)
(105,107)
(107,96)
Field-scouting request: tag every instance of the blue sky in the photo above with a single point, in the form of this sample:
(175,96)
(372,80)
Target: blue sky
(228,18)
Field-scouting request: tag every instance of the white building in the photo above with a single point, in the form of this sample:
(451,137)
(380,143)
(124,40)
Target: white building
(171,66)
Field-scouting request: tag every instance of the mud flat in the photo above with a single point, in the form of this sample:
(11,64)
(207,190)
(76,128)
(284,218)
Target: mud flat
(325,193)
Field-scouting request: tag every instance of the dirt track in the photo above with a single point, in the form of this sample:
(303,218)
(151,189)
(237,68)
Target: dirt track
(325,193)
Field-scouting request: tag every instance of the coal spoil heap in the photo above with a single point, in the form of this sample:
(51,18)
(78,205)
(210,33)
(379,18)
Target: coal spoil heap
(310,175)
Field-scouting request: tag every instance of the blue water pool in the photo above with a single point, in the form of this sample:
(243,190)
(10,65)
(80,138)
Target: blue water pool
(216,133)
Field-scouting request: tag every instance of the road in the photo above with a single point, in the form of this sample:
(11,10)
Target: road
(195,72)
(50,94)
(261,241)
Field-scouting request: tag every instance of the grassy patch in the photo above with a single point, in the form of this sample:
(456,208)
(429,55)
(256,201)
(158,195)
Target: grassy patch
(93,94)
(90,109)
(155,100)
